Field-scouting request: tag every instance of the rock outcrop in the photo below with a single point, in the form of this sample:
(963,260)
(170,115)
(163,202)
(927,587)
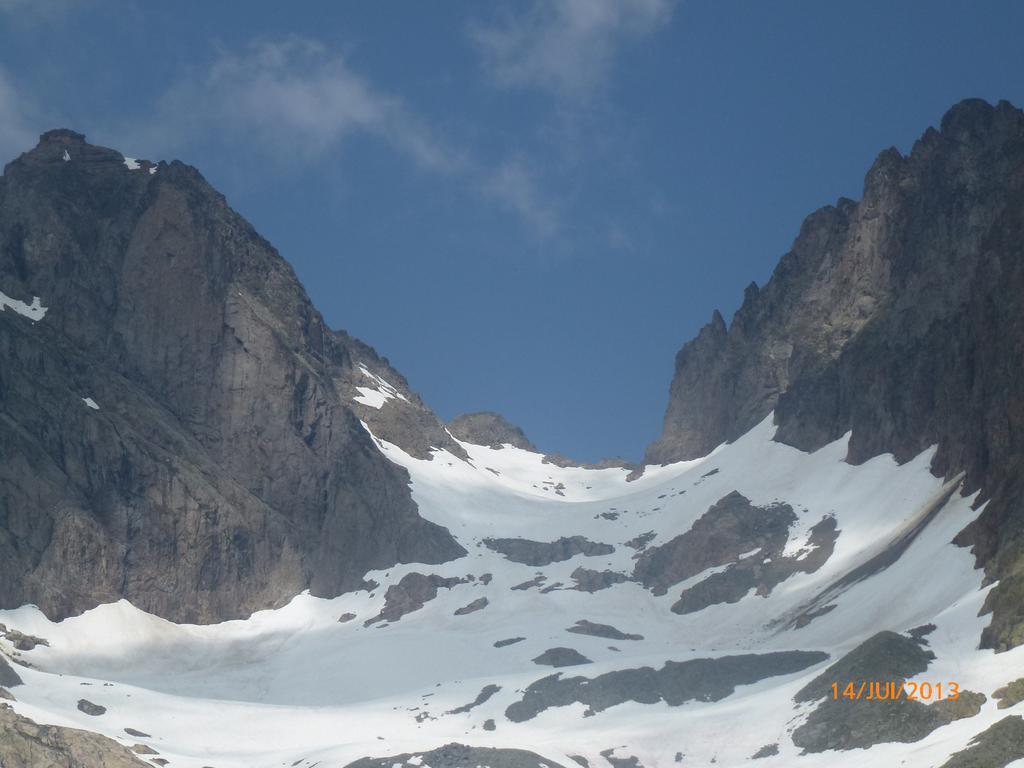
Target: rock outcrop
(899,318)
(490,429)
(178,425)
(25,743)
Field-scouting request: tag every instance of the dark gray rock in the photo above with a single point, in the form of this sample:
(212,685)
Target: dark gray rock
(996,747)
(485,693)
(477,605)
(86,706)
(639,543)
(412,592)
(460,756)
(584,627)
(561,657)
(490,429)
(226,469)
(762,572)
(536,581)
(730,528)
(588,580)
(620,762)
(675,683)
(508,641)
(883,656)
(768,750)
(8,677)
(346,617)
(540,553)
(859,722)
(893,318)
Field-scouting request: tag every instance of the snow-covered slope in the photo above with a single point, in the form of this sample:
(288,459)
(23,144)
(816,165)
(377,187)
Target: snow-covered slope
(298,687)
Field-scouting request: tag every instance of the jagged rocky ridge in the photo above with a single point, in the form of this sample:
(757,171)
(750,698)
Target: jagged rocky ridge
(899,318)
(224,468)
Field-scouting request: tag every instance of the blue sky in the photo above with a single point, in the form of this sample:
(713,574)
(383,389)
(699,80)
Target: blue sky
(527,206)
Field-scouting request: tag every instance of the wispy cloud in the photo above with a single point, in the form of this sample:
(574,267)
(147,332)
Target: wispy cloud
(295,101)
(565,47)
(16,133)
(290,97)
(514,185)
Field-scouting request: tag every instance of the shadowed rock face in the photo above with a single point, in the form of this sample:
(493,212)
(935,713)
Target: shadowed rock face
(761,572)
(588,580)
(485,693)
(8,677)
(540,553)
(490,429)
(899,318)
(411,593)
(845,723)
(675,683)
(730,528)
(995,747)
(225,469)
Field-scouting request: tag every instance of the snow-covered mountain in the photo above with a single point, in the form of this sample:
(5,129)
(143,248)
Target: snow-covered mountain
(795,550)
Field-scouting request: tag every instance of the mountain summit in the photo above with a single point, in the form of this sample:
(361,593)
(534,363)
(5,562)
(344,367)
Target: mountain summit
(182,429)
(899,319)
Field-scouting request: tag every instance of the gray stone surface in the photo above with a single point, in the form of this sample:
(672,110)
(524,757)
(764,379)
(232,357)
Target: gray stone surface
(894,318)
(460,756)
(760,572)
(8,677)
(675,683)
(588,580)
(25,744)
(585,627)
(561,657)
(412,592)
(768,750)
(490,429)
(995,747)
(856,723)
(225,470)
(89,708)
(508,641)
(477,605)
(730,528)
(485,693)
(540,553)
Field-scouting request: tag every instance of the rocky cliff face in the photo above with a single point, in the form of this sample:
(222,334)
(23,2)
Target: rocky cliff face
(180,427)
(899,318)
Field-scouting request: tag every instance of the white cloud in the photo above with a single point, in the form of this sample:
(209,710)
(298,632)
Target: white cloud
(295,101)
(290,97)
(16,134)
(564,46)
(515,187)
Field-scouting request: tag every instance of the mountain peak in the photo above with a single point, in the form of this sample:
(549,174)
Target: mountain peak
(62,136)
(490,429)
